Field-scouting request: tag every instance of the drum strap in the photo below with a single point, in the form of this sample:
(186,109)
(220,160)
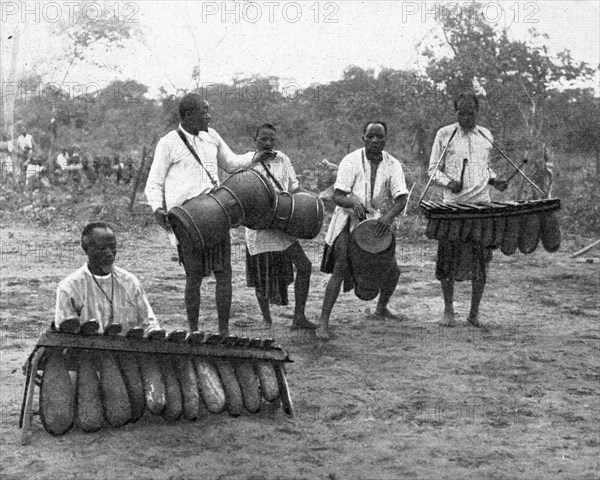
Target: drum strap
(193,152)
(272,177)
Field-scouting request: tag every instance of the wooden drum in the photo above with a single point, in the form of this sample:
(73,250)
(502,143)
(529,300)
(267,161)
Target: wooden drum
(505,225)
(369,258)
(299,214)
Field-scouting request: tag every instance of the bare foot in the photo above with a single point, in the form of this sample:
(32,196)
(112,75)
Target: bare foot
(302,323)
(322,333)
(390,314)
(473,319)
(448,320)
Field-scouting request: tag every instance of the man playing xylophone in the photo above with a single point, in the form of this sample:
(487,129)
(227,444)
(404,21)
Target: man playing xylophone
(464,173)
(270,254)
(365,179)
(100,291)
(185,165)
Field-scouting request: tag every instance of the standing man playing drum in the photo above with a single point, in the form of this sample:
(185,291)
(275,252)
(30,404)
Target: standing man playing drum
(271,254)
(177,175)
(365,179)
(464,173)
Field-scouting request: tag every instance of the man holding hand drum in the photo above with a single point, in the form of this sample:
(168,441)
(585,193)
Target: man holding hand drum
(365,179)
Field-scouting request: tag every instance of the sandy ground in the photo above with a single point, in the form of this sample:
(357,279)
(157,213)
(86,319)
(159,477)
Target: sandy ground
(382,400)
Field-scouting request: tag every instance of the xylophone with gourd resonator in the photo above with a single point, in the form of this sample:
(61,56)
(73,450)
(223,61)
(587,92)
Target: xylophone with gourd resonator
(503,225)
(93,380)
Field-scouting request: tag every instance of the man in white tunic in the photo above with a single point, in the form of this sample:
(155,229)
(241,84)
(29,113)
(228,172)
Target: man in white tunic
(366,178)
(176,176)
(100,291)
(463,181)
(271,254)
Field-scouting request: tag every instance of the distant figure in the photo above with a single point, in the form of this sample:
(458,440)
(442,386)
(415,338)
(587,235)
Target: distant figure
(36,173)
(7,166)
(117,168)
(25,146)
(99,290)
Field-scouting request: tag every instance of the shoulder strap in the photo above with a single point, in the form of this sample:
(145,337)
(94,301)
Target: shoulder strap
(193,152)
(272,177)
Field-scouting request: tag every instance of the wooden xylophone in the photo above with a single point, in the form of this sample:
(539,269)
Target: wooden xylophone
(503,225)
(92,380)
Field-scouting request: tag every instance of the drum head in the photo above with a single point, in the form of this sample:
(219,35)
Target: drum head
(364,236)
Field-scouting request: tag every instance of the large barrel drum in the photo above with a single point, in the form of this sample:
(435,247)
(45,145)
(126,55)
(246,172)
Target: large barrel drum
(370,257)
(254,193)
(204,220)
(299,214)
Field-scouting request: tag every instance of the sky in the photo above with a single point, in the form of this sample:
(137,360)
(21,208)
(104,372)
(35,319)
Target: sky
(302,43)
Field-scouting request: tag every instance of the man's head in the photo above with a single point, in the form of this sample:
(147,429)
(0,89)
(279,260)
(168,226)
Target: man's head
(374,137)
(266,137)
(100,245)
(23,130)
(466,107)
(193,110)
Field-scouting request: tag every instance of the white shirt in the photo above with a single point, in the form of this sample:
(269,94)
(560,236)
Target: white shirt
(260,241)
(24,141)
(79,296)
(354,176)
(176,176)
(476,149)
(61,160)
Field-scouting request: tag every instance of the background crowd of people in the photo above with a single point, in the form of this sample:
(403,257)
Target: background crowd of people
(22,162)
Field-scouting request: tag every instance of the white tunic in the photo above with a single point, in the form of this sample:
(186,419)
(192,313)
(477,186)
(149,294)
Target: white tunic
(261,241)
(354,176)
(79,296)
(476,149)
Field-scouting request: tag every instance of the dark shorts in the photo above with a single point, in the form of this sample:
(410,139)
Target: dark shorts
(270,273)
(204,262)
(460,261)
(338,254)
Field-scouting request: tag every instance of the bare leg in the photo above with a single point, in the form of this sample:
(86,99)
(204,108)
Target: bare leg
(448,292)
(193,282)
(476,295)
(386,293)
(223,298)
(301,287)
(263,303)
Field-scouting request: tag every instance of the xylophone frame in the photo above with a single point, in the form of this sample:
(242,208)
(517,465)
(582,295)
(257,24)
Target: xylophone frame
(235,348)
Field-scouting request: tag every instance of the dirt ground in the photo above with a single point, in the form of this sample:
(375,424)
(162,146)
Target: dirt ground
(382,400)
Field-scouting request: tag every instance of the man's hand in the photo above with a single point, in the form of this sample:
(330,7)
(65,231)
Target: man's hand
(383,225)
(359,209)
(162,219)
(499,184)
(454,186)
(263,155)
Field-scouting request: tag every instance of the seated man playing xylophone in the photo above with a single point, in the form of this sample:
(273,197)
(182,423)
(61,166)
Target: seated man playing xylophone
(100,291)
(464,173)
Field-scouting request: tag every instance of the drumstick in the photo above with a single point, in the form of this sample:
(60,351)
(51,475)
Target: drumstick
(437,165)
(516,171)
(511,162)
